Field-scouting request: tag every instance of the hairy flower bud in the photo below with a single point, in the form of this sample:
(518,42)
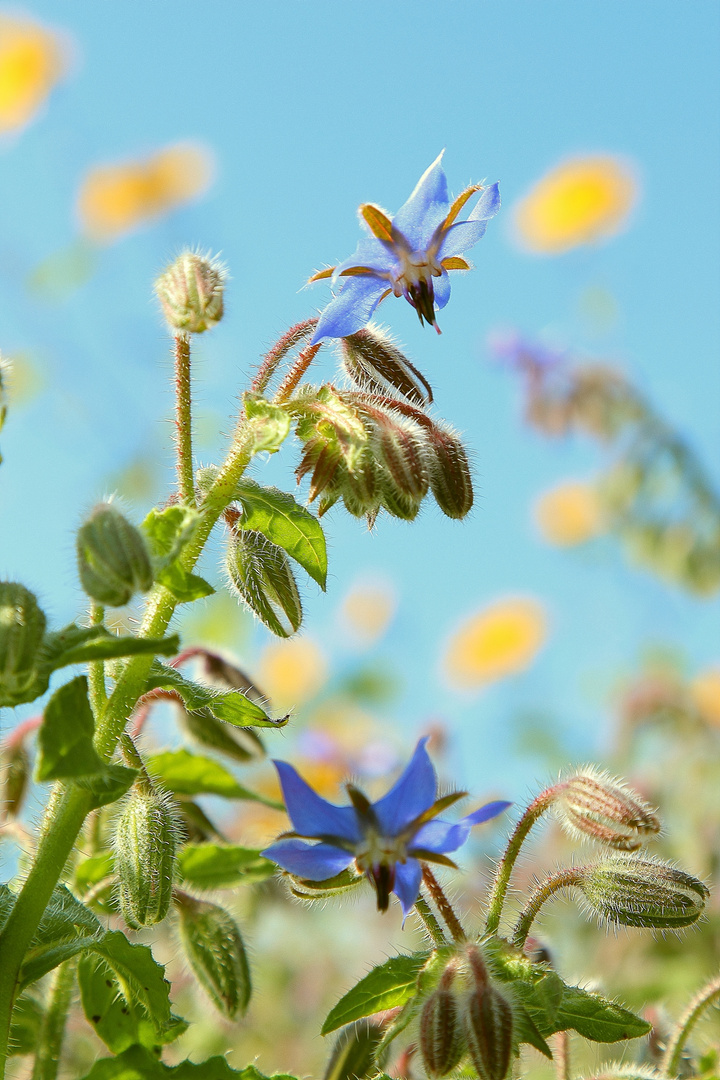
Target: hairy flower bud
(594,804)
(450,478)
(22,628)
(353,1054)
(215,951)
(15,763)
(190,291)
(442,1043)
(145,838)
(488,1025)
(638,891)
(261,575)
(375,364)
(113,559)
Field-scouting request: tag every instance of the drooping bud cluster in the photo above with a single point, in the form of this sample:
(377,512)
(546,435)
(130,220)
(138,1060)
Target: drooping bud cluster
(190,292)
(113,559)
(488,1024)
(22,628)
(146,834)
(375,364)
(646,892)
(216,953)
(592,803)
(260,573)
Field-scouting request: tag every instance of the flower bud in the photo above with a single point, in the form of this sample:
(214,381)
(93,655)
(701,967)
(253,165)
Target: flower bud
(592,803)
(113,559)
(261,575)
(376,365)
(215,952)
(190,292)
(488,1024)
(353,1054)
(145,837)
(441,1037)
(637,891)
(450,478)
(15,761)
(22,628)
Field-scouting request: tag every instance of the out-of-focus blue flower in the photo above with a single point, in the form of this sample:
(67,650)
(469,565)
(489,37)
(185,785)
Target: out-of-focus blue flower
(408,255)
(388,840)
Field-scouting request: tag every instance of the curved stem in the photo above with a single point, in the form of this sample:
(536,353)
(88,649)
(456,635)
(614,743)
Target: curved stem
(432,926)
(671,1059)
(52,1030)
(442,904)
(505,867)
(296,372)
(563,879)
(282,347)
(183,419)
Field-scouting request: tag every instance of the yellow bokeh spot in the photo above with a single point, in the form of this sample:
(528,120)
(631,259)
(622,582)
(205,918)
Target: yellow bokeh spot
(501,640)
(569,514)
(291,672)
(32,60)
(367,611)
(705,695)
(579,202)
(114,199)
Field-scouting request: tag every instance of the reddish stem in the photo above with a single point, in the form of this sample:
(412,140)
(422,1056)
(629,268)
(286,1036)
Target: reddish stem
(288,341)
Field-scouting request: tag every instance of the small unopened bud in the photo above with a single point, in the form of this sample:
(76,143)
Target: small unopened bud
(442,1043)
(592,803)
(191,291)
(215,951)
(353,1054)
(145,838)
(261,575)
(637,891)
(450,478)
(113,559)
(15,763)
(22,628)
(375,364)
(488,1024)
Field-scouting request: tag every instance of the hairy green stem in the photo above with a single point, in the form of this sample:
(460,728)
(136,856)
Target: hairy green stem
(505,867)
(432,926)
(670,1064)
(96,669)
(563,879)
(183,419)
(52,1030)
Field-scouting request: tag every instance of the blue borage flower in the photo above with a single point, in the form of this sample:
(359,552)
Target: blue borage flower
(408,255)
(387,840)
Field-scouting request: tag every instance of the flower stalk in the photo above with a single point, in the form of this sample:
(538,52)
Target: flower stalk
(183,419)
(709,994)
(52,1029)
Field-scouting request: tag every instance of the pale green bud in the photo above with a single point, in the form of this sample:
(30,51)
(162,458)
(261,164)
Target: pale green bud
(22,628)
(146,835)
(113,559)
(216,953)
(190,292)
(637,891)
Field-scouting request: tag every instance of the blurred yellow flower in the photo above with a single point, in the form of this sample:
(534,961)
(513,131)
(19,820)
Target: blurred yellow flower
(32,61)
(367,611)
(705,695)
(291,672)
(580,201)
(569,513)
(114,199)
(501,640)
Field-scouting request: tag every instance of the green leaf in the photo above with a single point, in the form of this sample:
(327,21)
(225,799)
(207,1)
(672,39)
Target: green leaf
(135,1063)
(7,899)
(78,644)
(597,1018)
(107,786)
(25,1030)
(392,983)
(168,531)
(66,928)
(141,978)
(184,585)
(269,423)
(184,773)
(222,866)
(278,516)
(39,961)
(119,1023)
(91,871)
(65,738)
(232,706)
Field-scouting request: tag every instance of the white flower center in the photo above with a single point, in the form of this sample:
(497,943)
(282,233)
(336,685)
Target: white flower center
(378,850)
(416,268)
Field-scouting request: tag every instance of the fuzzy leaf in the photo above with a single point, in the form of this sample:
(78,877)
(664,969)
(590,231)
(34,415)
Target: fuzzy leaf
(118,1022)
(92,870)
(222,866)
(184,585)
(66,928)
(108,785)
(25,1030)
(168,531)
(281,519)
(184,773)
(39,961)
(269,423)
(139,975)
(386,986)
(137,1063)
(65,739)
(597,1018)
(77,645)
(232,706)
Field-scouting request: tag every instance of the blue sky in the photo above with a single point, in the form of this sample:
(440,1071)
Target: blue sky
(311,107)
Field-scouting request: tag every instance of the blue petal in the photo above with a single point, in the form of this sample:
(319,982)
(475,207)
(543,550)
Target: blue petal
(487,205)
(408,876)
(310,814)
(351,309)
(458,238)
(441,289)
(441,836)
(412,794)
(429,203)
(371,253)
(489,810)
(314,861)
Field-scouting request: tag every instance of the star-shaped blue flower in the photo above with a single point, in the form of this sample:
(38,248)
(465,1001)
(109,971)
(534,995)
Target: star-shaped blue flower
(408,255)
(387,840)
